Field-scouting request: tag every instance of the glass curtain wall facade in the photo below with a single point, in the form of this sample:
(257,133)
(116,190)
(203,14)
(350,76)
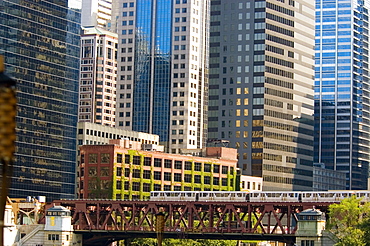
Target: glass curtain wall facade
(41,44)
(163,70)
(341,89)
(261,87)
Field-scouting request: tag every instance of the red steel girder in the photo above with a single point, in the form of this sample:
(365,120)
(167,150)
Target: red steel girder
(187,217)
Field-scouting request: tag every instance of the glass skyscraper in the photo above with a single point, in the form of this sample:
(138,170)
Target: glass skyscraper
(41,43)
(342,89)
(261,87)
(163,70)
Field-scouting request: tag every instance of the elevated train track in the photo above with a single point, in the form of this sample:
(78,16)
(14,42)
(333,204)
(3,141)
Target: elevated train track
(212,215)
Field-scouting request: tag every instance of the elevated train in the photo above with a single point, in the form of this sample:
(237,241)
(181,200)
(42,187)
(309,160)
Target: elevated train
(259,196)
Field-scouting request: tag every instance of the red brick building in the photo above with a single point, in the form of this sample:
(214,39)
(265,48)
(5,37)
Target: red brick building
(114,172)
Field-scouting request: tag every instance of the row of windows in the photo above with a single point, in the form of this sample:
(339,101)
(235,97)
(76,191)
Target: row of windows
(280,30)
(283,180)
(237,135)
(278,93)
(174,177)
(287,138)
(146,187)
(285,127)
(279,72)
(279,82)
(279,115)
(280,9)
(280,40)
(157,162)
(130,4)
(286,148)
(107,135)
(279,61)
(281,169)
(274,49)
(237,123)
(280,19)
(271,102)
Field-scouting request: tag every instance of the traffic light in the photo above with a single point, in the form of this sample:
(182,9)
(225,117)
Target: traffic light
(7,138)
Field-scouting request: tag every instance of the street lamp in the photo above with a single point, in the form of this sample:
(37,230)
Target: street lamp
(7,138)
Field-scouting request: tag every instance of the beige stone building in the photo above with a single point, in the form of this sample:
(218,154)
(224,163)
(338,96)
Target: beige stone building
(98,77)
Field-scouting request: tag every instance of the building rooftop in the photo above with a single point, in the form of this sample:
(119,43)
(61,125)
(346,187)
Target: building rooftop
(97,30)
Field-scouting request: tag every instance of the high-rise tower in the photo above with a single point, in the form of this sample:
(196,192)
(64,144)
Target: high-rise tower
(96,13)
(162,71)
(342,102)
(261,87)
(98,77)
(41,43)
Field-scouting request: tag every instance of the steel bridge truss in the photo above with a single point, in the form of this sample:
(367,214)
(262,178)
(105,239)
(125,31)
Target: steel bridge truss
(215,219)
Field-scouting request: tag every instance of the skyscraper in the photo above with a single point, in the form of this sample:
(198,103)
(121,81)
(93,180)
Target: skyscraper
(261,87)
(96,13)
(98,77)
(41,43)
(341,89)
(162,71)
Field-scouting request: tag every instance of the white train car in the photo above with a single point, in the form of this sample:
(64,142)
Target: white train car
(259,196)
(173,195)
(222,196)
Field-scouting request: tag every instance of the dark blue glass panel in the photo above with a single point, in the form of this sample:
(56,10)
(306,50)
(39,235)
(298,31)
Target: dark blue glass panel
(42,53)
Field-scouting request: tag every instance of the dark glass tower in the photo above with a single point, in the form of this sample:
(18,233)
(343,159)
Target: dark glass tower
(40,41)
(342,101)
